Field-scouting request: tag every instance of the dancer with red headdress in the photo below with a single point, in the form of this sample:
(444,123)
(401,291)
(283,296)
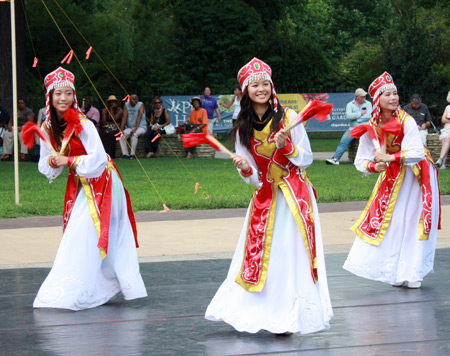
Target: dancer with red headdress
(398,228)
(277,280)
(97,257)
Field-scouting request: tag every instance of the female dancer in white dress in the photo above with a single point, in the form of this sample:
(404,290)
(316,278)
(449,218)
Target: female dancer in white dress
(97,257)
(289,292)
(398,228)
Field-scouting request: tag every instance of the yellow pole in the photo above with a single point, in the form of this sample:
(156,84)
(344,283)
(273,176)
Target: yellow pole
(14,101)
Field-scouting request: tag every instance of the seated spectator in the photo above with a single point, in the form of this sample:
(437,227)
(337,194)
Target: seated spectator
(111,120)
(133,125)
(198,120)
(4,119)
(159,118)
(445,136)
(24,114)
(91,113)
(420,113)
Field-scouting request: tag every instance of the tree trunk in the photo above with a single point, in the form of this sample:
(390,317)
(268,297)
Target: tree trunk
(5,53)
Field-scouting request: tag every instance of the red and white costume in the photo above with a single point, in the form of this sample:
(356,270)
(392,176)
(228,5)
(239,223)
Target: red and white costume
(398,228)
(97,257)
(277,278)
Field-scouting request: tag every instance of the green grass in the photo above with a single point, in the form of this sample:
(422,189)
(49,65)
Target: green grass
(220,185)
(324,144)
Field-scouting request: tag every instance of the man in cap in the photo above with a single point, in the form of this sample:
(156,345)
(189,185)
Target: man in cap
(419,111)
(358,111)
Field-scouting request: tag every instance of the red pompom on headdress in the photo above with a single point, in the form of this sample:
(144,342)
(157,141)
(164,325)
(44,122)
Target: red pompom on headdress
(256,69)
(378,86)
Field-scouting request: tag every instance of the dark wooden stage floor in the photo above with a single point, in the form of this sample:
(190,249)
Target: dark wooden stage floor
(371,318)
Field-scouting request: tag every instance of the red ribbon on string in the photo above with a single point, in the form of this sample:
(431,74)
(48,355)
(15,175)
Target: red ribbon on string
(119,135)
(127,98)
(88,53)
(196,187)
(156,137)
(68,58)
(35,62)
(166,209)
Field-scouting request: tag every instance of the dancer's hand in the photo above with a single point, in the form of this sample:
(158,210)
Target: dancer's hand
(280,138)
(381,167)
(60,160)
(240,162)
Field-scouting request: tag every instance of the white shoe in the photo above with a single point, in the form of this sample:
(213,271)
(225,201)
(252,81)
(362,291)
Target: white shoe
(442,166)
(414,285)
(332,161)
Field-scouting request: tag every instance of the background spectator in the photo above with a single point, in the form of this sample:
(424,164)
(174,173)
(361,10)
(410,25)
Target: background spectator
(159,118)
(111,120)
(445,136)
(236,102)
(419,111)
(134,120)
(209,103)
(91,113)
(358,111)
(198,120)
(24,114)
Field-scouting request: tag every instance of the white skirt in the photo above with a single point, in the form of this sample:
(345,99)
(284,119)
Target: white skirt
(290,300)
(401,256)
(79,278)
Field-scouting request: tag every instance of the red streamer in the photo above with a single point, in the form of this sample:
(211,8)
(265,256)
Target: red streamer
(35,63)
(127,98)
(196,187)
(166,209)
(88,52)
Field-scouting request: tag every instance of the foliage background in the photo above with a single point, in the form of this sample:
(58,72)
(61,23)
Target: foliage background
(176,47)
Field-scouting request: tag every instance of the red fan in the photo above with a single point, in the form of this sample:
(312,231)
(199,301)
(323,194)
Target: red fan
(360,130)
(72,116)
(316,109)
(195,139)
(28,131)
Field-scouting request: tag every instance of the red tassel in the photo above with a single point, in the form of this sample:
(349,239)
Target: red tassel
(393,127)
(359,130)
(35,62)
(68,57)
(196,187)
(195,139)
(88,53)
(127,98)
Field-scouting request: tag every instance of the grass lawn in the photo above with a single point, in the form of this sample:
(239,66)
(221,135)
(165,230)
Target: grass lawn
(173,181)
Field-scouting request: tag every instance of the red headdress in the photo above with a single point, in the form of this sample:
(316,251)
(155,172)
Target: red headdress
(378,86)
(256,69)
(59,78)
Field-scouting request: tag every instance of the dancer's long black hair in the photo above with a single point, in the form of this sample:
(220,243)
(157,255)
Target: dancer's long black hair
(244,122)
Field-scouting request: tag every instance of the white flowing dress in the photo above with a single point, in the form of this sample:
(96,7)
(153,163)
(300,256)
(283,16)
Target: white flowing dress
(401,256)
(290,300)
(79,278)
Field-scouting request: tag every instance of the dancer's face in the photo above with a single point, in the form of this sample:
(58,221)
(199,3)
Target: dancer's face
(259,91)
(62,100)
(389,100)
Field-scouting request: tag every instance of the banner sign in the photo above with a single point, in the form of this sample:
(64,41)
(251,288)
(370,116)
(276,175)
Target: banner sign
(179,108)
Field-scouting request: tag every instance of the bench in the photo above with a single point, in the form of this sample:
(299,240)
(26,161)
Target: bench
(170,146)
